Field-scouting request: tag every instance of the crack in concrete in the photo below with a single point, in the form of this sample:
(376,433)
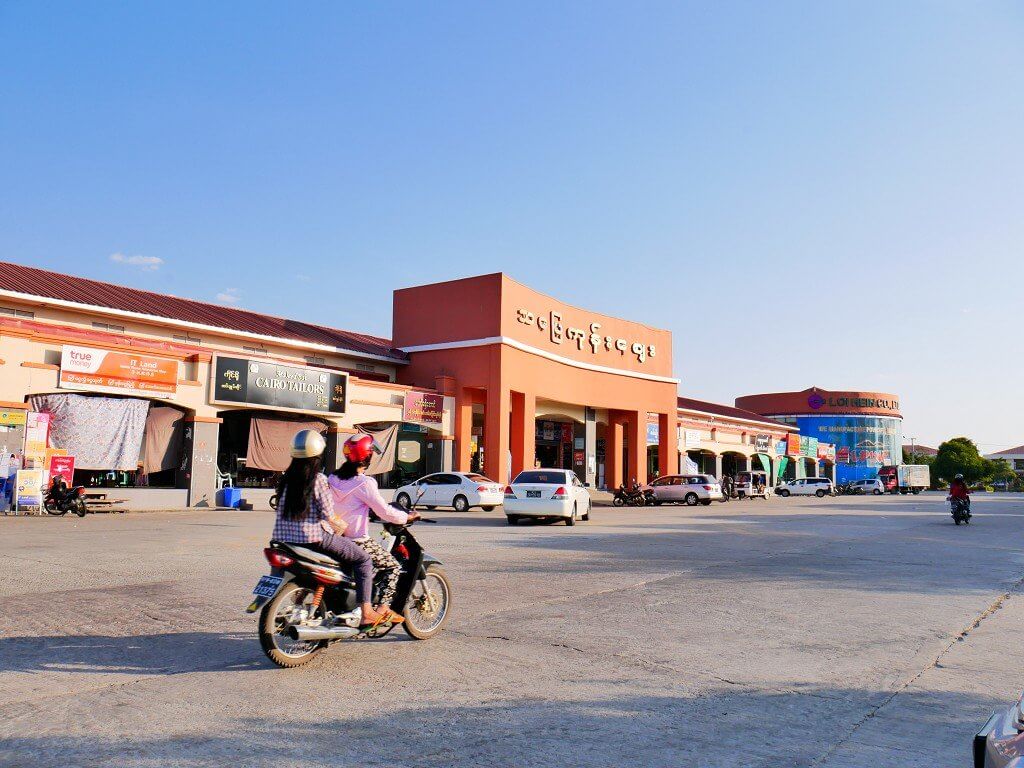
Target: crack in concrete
(992,607)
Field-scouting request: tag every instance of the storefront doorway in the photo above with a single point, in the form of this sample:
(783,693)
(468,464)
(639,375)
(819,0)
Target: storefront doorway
(554,440)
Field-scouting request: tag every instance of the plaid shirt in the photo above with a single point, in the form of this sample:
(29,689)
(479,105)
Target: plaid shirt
(306,529)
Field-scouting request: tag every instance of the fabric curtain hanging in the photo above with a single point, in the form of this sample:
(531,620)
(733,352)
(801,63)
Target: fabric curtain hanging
(162,443)
(270,441)
(387,440)
(100,432)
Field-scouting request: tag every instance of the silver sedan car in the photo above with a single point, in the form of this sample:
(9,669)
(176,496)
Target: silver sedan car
(685,489)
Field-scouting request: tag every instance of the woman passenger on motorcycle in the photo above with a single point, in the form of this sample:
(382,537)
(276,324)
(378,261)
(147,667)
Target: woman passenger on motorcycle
(355,494)
(305,515)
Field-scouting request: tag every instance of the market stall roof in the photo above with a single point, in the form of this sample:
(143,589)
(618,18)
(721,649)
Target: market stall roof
(19,279)
(727,411)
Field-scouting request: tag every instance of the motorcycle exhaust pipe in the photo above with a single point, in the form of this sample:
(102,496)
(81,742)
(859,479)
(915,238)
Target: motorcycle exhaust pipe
(298,632)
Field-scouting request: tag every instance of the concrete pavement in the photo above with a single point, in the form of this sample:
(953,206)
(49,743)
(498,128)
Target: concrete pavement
(841,632)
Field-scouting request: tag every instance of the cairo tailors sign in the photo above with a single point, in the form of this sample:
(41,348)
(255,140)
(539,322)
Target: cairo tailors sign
(239,381)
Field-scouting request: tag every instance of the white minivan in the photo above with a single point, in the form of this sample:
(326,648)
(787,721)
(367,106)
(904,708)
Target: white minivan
(808,486)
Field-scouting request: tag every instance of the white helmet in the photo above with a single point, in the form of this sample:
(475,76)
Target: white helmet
(307,444)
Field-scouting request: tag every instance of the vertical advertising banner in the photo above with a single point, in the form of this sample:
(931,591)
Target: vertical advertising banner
(28,488)
(792,444)
(37,432)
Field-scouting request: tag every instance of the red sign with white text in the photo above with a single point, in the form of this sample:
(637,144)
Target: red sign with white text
(63,466)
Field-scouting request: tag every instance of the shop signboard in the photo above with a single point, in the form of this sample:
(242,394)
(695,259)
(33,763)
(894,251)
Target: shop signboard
(809,447)
(827,451)
(762,443)
(28,488)
(792,444)
(652,434)
(780,448)
(843,455)
(692,437)
(423,408)
(101,370)
(12,418)
(63,466)
(267,384)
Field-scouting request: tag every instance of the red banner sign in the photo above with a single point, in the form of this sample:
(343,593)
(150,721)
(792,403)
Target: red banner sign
(423,408)
(63,466)
(793,444)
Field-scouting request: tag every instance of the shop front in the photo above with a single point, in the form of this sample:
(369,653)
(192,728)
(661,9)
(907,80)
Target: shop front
(724,441)
(155,402)
(536,380)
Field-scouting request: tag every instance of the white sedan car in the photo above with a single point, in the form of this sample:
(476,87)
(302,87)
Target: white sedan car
(459,490)
(547,493)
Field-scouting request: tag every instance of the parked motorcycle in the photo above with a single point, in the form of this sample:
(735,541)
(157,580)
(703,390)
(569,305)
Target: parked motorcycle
(633,496)
(960,509)
(307,601)
(848,489)
(60,503)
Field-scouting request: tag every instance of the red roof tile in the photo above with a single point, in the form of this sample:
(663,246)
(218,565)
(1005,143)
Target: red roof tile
(687,403)
(53,285)
(1018,450)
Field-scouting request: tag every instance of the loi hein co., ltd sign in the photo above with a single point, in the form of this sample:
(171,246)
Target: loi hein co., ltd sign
(592,339)
(816,401)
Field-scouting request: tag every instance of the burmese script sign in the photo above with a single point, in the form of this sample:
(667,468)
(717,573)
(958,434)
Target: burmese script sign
(551,327)
(101,370)
(239,381)
(423,408)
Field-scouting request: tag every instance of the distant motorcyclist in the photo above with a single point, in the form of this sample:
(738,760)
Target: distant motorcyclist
(958,490)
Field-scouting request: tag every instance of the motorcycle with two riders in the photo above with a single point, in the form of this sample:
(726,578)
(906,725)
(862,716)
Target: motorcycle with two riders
(308,601)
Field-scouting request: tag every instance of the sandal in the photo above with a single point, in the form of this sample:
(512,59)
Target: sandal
(380,620)
(394,618)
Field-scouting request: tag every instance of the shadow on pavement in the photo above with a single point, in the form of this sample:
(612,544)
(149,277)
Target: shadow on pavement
(722,727)
(168,653)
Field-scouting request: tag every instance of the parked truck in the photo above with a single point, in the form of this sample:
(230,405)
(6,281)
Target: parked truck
(905,478)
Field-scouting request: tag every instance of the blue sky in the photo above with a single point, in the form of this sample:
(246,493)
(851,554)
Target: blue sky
(807,194)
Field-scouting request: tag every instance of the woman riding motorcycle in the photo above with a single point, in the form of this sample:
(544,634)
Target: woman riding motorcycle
(355,494)
(305,515)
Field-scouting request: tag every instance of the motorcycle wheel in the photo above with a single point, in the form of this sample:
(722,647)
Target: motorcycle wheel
(617,501)
(80,508)
(275,619)
(54,510)
(429,604)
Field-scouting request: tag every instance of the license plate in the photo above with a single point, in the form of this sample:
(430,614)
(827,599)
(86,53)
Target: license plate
(533,494)
(267,586)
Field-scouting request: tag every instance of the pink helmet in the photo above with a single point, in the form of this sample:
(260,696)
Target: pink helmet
(359,448)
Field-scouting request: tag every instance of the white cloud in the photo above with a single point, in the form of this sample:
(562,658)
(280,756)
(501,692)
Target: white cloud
(145,263)
(229,296)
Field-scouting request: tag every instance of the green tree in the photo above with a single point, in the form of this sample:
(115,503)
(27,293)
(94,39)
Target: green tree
(960,456)
(999,471)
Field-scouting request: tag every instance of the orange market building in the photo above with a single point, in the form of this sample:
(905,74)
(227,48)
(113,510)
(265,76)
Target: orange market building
(535,380)
(481,374)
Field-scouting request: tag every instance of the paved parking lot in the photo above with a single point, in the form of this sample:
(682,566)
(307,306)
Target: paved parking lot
(840,632)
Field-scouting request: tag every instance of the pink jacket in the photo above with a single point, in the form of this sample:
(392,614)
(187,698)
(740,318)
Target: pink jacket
(353,500)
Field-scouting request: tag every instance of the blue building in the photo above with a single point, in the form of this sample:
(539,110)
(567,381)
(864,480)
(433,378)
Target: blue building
(866,428)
